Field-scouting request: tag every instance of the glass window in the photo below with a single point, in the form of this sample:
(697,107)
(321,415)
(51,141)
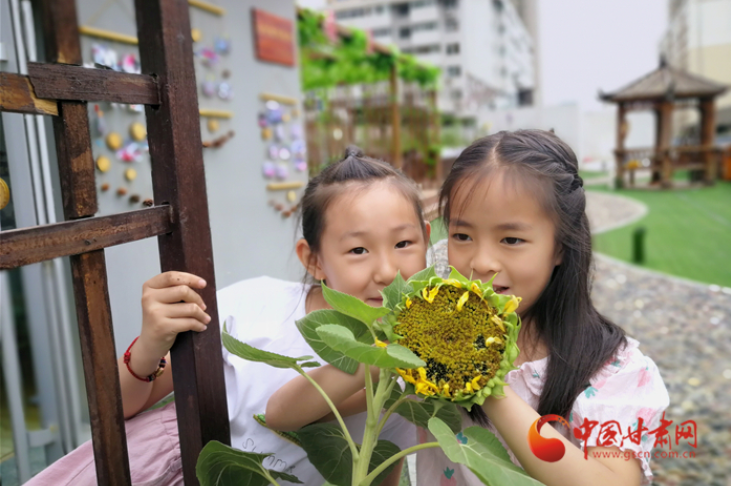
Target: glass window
(453,48)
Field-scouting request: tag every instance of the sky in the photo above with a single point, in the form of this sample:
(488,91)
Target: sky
(588,45)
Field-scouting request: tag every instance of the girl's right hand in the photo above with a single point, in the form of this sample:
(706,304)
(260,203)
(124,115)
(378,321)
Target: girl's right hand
(169,306)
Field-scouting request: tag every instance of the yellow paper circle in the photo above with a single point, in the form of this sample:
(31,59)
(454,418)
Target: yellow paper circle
(130,174)
(103,163)
(138,131)
(291,196)
(114,141)
(266,133)
(4,194)
(285,117)
(212,125)
(196,34)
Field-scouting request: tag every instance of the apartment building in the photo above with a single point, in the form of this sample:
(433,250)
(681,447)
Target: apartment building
(486,52)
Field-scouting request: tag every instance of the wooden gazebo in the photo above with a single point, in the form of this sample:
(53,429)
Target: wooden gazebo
(663,90)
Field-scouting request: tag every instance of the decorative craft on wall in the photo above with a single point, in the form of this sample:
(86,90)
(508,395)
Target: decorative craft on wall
(273,38)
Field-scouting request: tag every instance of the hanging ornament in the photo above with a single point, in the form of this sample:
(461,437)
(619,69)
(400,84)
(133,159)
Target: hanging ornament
(212,125)
(100,125)
(273,152)
(301,166)
(209,56)
(130,174)
(285,117)
(103,163)
(114,141)
(104,56)
(269,170)
(266,133)
(130,64)
(282,172)
(262,120)
(121,191)
(291,196)
(132,152)
(279,133)
(224,91)
(295,131)
(222,45)
(134,198)
(208,87)
(196,35)
(284,153)
(298,147)
(105,187)
(137,131)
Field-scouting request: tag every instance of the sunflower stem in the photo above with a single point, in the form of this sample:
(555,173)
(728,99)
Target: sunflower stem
(351,443)
(396,457)
(375,401)
(269,477)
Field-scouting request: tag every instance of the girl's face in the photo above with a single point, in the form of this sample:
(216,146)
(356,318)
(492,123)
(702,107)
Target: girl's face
(501,228)
(370,234)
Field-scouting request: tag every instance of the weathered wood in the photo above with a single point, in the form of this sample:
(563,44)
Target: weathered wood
(17,95)
(163,30)
(31,245)
(67,82)
(708,138)
(100,368)
(621,134)
(78,194)
(75,160)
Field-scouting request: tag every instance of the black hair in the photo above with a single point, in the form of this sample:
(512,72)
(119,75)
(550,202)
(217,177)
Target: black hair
(353,171)
(579,339)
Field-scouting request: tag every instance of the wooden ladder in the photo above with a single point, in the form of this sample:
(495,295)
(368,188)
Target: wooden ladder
(179,218)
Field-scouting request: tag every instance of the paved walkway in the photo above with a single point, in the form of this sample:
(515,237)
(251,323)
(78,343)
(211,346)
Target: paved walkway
(685,327)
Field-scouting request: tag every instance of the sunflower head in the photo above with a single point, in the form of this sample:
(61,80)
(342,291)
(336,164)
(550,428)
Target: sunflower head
(464,332)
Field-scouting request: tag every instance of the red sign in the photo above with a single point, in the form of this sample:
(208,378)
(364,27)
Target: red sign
(273,37)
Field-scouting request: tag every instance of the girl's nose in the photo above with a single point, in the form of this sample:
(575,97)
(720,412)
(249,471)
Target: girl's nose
(484,266)
(385,272)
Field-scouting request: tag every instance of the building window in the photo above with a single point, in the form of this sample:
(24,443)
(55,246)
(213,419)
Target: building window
(451,24)
(525,97)
(424,26)
(379,9)
(427,49)
(382,32)
(401,9)
(404,33)
(457,94)
(453,48)
(422,3)
(454,71)
(353,13)
(449,3)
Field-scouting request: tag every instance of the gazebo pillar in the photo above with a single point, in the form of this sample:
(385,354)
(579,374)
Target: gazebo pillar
(708,136)
(662,142)
(619,151)
(396,154)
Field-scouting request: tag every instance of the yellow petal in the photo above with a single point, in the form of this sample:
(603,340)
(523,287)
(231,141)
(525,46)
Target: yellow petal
(380,343)
(476,289)
(462,300)
(445,389)
(468,387)
(512,305)
(476,383)
(429,295)
(406,375)
(422,373)
(498,322)
(408,303)
(453,282)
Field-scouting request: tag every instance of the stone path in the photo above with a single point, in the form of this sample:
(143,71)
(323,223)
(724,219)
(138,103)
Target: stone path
(685,327)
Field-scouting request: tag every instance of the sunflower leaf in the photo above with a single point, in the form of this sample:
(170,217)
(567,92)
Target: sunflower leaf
(419,412)
(222,465)
(424,275)
(385,326)
(483,454)
(309,324)
(250,353)
(328,450)
(342,339)
(352,306)
(382,451)
(393,294)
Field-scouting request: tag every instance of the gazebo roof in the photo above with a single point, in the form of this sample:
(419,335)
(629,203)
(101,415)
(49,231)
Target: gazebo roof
(663,83)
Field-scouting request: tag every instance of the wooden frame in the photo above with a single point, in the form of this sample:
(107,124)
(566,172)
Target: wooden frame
(167,88)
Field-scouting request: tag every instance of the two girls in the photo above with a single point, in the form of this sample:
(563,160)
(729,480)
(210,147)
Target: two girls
(514,207)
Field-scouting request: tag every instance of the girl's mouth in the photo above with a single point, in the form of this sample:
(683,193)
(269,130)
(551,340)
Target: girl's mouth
(500,289)
(375,302)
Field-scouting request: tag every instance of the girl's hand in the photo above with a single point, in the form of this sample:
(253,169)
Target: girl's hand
(169,306)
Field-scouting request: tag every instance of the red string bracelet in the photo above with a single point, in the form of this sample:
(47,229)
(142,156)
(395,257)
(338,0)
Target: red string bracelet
(159,371)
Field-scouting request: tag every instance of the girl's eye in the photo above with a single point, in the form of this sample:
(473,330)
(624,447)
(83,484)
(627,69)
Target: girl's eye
(461,237)
(512,241)
(358,251)
(403,244)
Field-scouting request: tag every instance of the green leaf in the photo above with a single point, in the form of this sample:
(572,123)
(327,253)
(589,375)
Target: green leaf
(393,356)
(352,306)
(328,450)
(483,454)
(250,353)
(393,294)
(222,465)
(424,275)
(309,324)
(420,412)
(385,326)
(382,451)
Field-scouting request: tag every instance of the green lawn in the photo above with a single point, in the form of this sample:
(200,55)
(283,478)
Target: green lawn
(688,233)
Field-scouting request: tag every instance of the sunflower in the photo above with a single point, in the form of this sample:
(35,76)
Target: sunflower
(464,332)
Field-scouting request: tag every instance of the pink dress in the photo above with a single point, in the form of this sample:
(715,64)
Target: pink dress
(627,388)
(156,464)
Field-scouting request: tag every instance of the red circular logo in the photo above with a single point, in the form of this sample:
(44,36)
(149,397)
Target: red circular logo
(549,450)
